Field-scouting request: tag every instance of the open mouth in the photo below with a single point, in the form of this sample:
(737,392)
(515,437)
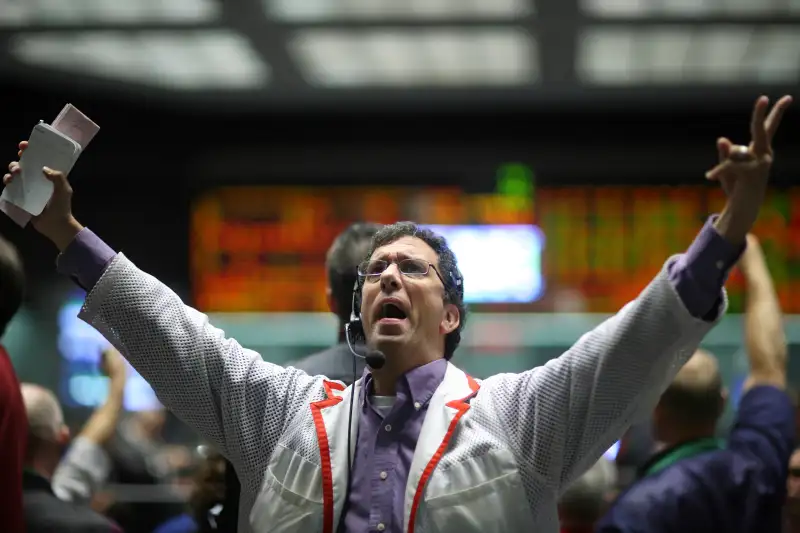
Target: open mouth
(391,312)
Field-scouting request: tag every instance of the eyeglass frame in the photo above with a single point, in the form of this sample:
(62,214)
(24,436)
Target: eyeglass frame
(395,262)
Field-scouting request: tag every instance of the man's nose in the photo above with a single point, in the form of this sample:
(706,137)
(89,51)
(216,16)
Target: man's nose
(390,278)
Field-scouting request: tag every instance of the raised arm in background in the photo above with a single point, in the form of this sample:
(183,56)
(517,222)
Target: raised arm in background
(765,339)
(764,427)
(86,465)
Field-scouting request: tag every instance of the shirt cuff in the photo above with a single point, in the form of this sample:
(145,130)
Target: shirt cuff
(85,259)
(699,275)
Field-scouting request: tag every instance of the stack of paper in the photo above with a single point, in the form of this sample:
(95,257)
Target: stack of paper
(56,146)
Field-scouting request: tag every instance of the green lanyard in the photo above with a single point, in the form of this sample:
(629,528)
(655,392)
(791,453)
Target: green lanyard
(684,451)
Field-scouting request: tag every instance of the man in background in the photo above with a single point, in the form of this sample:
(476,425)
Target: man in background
(13,424)
(86,465)
(698,483)
(341,263)
(48,436)
(586,500)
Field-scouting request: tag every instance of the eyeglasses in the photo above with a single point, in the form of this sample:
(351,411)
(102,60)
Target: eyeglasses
(414,268)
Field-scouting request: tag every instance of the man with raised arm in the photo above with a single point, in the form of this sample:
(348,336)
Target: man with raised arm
(699,483)
(431,448)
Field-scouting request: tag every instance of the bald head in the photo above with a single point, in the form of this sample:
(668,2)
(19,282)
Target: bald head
(695,396)
(45,418)
(584,502)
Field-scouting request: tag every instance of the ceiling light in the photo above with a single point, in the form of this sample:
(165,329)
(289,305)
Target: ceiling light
(326,10)
(180,60)
(419,57)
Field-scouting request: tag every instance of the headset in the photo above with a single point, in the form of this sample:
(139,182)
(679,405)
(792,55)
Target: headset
(353,332)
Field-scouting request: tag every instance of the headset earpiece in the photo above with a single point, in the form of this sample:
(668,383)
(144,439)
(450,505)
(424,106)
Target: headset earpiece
(355,327)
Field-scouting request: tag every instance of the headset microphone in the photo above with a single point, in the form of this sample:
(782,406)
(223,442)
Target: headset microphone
(375,359)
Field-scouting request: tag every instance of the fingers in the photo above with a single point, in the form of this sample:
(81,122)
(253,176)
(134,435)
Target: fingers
(775,116)
(741,154)
(723,148)
(58,178)
(7,178)
(758,131)
(718,171)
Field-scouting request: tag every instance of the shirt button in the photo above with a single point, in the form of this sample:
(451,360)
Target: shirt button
(417,406)
(381,527)
(720,265)
(387,427)
(384,475)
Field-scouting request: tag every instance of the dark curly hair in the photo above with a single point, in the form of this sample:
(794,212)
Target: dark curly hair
(448,268)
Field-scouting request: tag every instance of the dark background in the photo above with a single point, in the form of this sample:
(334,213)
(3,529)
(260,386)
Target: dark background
(135,182)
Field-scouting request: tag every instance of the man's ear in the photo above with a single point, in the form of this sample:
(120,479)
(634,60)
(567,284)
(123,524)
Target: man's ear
(451,318)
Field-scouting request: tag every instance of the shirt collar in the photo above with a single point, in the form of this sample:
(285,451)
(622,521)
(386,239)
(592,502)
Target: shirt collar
(421,381)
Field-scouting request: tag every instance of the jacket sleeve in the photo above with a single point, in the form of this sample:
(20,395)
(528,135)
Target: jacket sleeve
(227,393)
(561,417)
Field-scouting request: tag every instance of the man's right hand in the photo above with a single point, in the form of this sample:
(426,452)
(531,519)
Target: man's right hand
(56,221)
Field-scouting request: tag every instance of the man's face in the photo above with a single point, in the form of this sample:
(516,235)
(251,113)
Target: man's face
(398,309)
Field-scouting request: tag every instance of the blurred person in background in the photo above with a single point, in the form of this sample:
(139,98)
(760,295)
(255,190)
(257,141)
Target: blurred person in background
(341,263)
(141,458)
(86,466)
(139,452)
(698,483)
(48,436)
(434,448)
(13,422)
(586,500)
(207,498)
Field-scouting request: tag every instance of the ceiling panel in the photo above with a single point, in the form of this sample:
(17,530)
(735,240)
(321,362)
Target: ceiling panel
(683,55)
(178,60)
(424,57)
(689,8)
(77,12)
(297,11)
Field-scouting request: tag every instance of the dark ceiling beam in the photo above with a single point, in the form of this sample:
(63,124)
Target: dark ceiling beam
(267,38)
(556,38)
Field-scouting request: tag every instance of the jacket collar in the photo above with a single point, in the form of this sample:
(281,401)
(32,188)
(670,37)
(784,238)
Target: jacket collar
(668,457)
(32,480)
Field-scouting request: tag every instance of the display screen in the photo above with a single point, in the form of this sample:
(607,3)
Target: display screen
(82,381)
(503,263)
(263,248)
(611,453)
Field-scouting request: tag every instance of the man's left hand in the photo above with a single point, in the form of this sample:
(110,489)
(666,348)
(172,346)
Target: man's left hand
(743,171)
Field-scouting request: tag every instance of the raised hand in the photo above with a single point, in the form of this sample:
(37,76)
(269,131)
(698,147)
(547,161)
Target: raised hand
(56,221)
(743,171)
(112,363)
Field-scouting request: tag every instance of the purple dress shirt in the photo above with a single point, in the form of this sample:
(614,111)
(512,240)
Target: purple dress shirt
(385,445)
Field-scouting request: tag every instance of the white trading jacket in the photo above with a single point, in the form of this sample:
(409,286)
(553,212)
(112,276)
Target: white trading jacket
(493,455)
